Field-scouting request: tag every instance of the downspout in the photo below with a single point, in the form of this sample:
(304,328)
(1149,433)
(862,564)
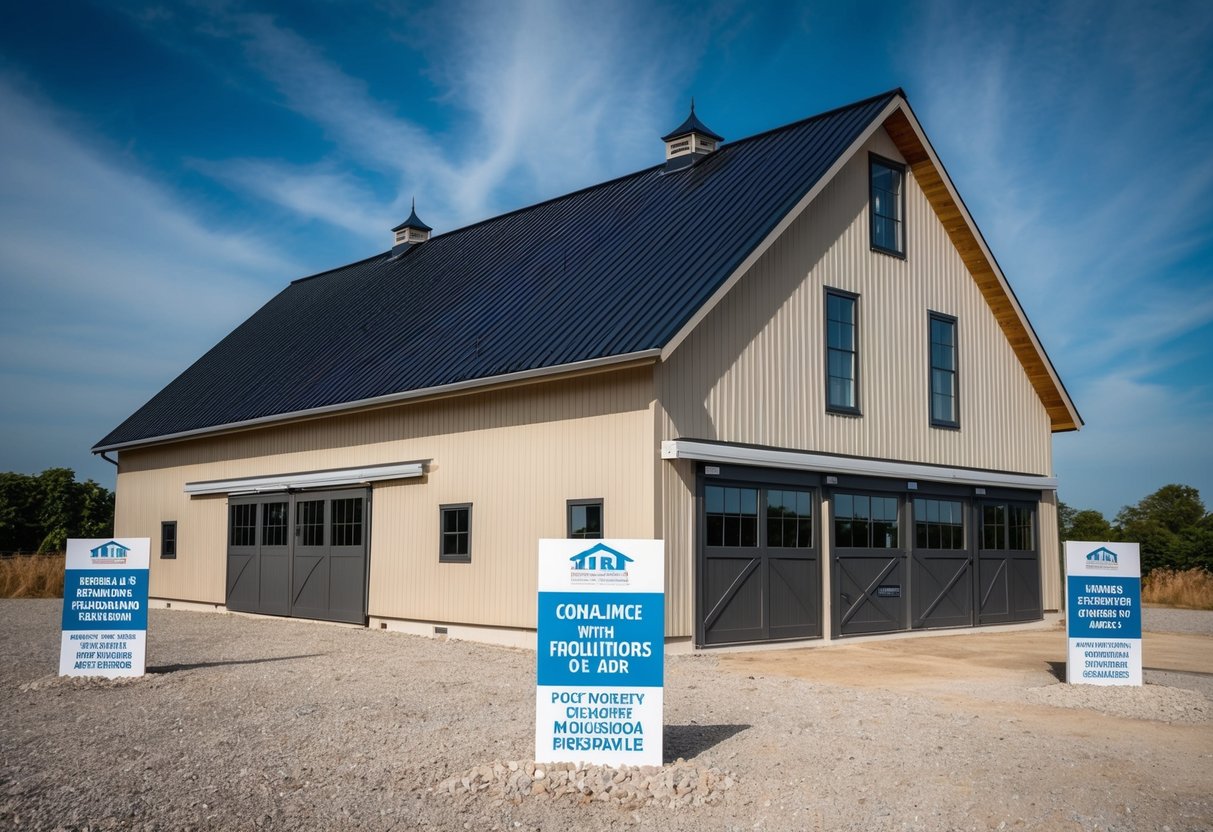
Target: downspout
(101,454)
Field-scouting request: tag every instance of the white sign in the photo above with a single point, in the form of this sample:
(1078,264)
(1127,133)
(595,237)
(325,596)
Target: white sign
(601,656)
(105,607)
(1103,613)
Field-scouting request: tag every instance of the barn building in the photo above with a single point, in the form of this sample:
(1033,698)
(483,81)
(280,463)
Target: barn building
(793,357)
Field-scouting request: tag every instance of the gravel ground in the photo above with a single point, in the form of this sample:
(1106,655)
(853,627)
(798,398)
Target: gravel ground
(250,724)
(1166,620)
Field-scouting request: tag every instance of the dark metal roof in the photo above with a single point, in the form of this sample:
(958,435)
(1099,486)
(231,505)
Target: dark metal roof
(611,270)
(691,125)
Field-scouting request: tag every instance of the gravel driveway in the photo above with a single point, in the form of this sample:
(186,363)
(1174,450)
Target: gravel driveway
(271,724)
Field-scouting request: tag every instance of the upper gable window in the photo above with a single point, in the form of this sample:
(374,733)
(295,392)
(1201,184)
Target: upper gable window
(888,204)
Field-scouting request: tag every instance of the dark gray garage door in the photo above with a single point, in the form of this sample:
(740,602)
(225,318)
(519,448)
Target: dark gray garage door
(941,567)
(1008,563)
(302,555)
(759,568)
(869,564)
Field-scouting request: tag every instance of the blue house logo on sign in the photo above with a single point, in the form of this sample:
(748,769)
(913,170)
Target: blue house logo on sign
(1102,558)
(599,564)
(112,552)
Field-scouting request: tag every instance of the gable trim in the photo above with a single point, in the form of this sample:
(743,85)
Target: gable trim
(907,134)
(903,128)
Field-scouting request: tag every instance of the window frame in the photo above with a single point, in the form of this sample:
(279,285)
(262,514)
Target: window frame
(952,424)
(874,160)
(463,557)
(899,510)
(856,409)
(165,526)
(568,517)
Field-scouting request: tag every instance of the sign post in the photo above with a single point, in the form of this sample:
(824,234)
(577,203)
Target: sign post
(105,607)
(1103,613)
(601,652)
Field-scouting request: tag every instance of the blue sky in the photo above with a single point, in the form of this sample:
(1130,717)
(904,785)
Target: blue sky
(167,168)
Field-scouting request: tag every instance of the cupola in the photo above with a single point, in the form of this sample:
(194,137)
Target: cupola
(410,232)
(689,142)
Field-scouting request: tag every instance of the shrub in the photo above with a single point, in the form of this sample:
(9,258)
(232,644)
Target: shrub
(31,576)
(1190,588)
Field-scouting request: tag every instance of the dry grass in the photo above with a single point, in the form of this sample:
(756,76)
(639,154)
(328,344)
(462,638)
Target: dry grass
(1191,589)
(31,576)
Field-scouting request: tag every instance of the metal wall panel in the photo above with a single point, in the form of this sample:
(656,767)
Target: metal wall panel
(676,480)
(1050,553)
(518,455)
(753,372)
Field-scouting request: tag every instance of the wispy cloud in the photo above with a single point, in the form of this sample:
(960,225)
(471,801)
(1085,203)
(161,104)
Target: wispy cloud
(534,94)
(96,265)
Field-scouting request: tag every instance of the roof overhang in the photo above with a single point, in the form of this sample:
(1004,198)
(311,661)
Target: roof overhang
(852,466)
(307,479)
(902,126)
(932,177)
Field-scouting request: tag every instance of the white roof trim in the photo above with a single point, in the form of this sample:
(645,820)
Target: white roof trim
(806,461)
(392,398)
(309,479)
(876,124)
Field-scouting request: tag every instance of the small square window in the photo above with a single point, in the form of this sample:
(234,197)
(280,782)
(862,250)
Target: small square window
(887,205)
(168,540)
(585,519)
(455,525)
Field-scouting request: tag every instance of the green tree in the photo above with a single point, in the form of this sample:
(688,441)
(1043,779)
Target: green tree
(1169,525)
(39,513)
(1090,524)
(19,529)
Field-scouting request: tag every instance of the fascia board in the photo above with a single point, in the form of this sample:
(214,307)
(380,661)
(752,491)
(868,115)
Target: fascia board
(989,256)
(826,463)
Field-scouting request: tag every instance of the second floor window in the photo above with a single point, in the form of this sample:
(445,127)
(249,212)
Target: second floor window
(944,410)
(842,352)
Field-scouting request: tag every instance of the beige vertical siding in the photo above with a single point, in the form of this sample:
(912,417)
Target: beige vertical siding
(1050,553)
(753,372)
(517,455)
(677,487)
